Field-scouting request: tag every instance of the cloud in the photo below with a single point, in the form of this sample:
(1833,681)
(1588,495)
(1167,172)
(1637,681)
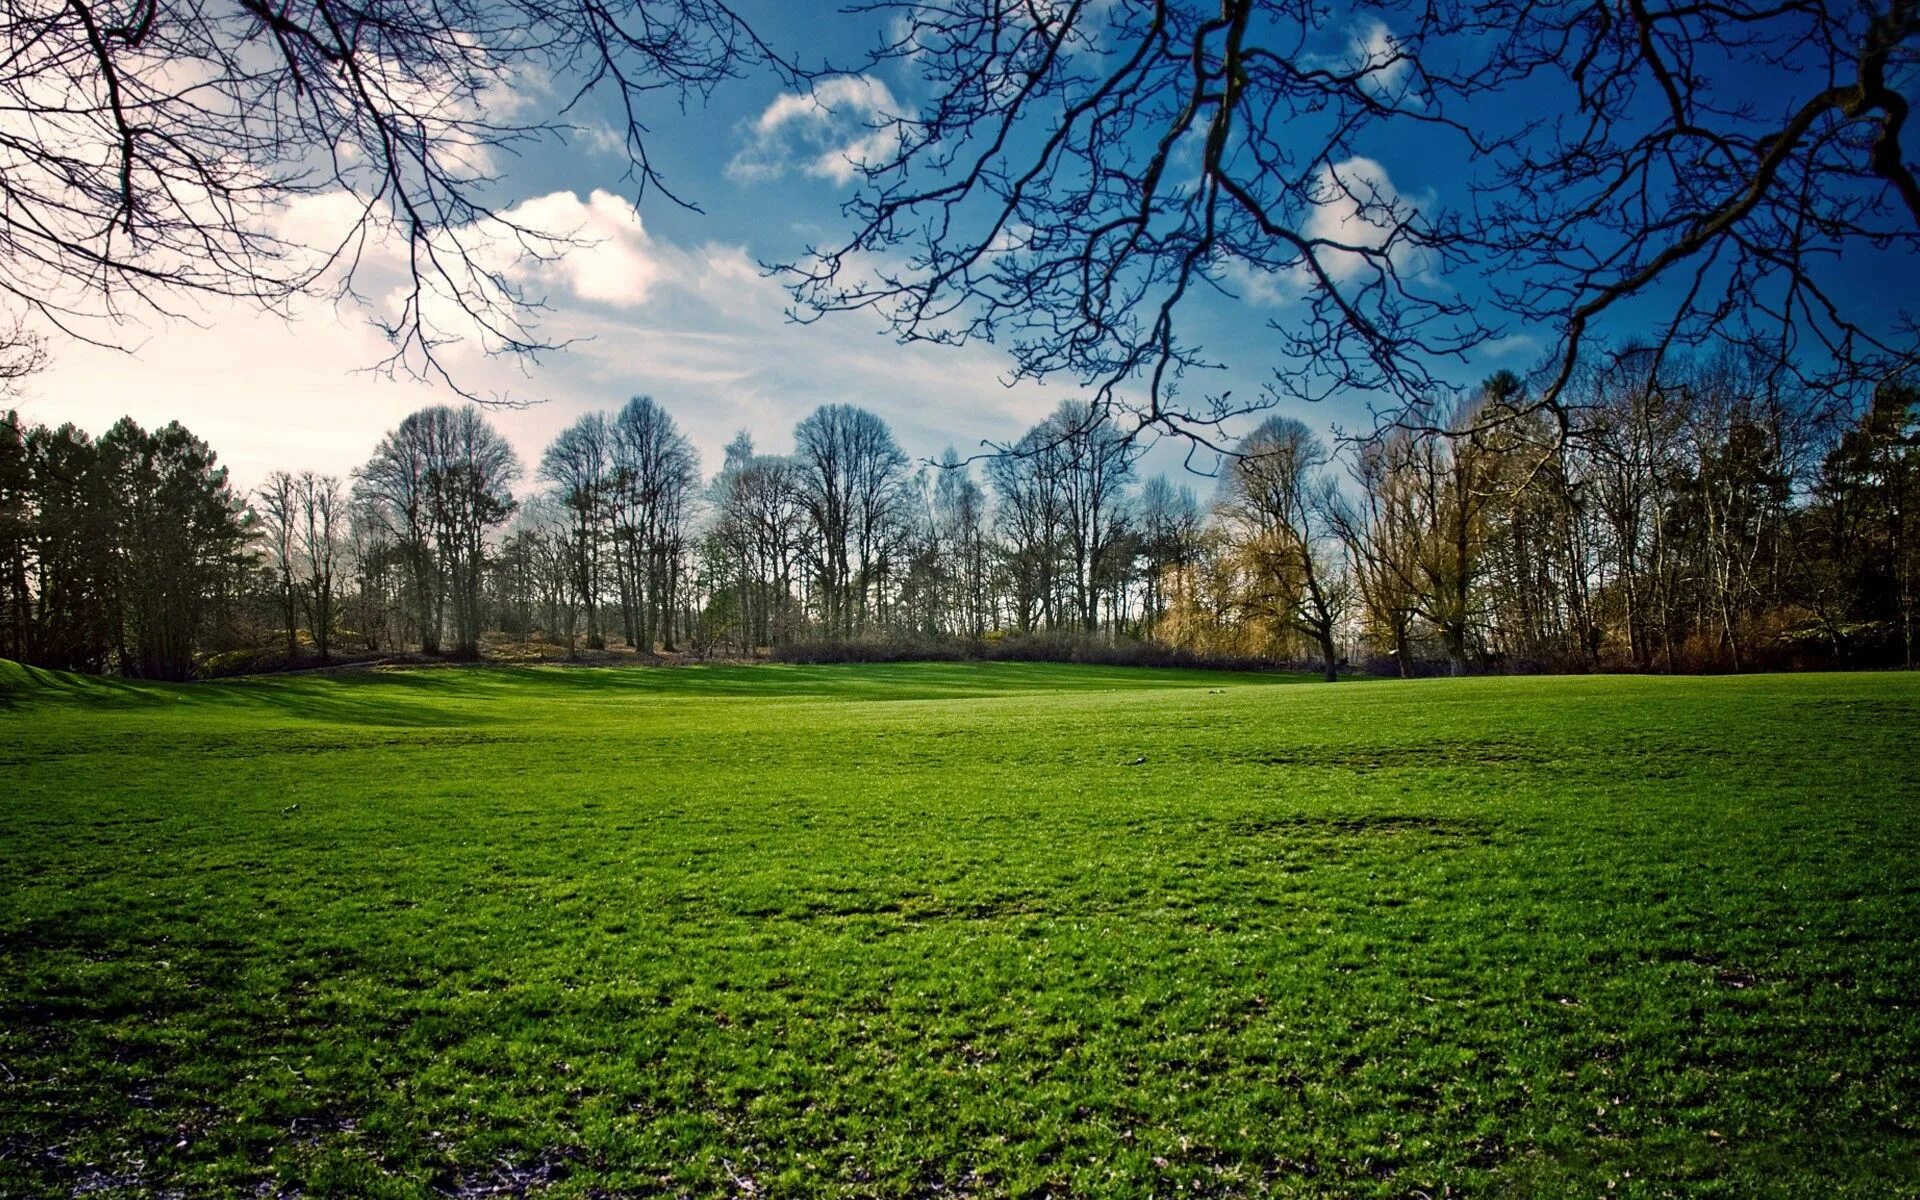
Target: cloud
(608,257)
(1387,65)
(697,325)
(1355,208)
(1258,285)
(1355,204)
(842,125)
(548,249)
(598,137)
(1514,345)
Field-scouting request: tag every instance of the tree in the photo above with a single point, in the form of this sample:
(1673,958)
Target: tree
(1278,499)
(1096,464)
(536,572)
(1383,535)
(393,489)
(470,470)
(17,519)
(160,147)
(73,544)
(579,464)
(1732,507)
(322,506)
(1632,452)
(440,483)
(1028,485)
(1169,522)
(177,528)
(374,605)
(1869,501)
(655,474)
(962,536)
(278,507)
(1458,481)
(1077,176)
(759,520)
(851,474)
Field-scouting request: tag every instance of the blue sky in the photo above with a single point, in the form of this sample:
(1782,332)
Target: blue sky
(671,304)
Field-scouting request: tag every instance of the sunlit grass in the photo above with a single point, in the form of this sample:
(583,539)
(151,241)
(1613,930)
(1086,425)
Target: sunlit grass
(991,929)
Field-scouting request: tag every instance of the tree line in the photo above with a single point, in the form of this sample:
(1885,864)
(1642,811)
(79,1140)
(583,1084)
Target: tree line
(1716,523)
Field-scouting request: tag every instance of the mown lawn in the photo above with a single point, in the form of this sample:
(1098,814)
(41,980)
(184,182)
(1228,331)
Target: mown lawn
(959,930)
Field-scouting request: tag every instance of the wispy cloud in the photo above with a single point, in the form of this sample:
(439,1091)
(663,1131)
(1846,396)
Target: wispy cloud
(697,325)
(1388,66)
(831,132)
(1355,211)
(1356,208)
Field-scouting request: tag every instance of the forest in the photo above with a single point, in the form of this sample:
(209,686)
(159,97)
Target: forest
(1720,523)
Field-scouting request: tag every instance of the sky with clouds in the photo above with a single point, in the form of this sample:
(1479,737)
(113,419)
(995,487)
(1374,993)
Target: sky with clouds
(666,302)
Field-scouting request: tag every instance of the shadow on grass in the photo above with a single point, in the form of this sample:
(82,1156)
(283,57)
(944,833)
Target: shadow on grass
(466,694)
(403,702)
(484,682)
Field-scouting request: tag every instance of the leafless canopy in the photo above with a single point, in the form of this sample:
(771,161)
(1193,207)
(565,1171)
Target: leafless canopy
(1080,172)
(1076,175)
(1714,164)
(151,150)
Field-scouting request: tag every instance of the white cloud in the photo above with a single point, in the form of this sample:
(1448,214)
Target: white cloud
(1514,345)
(697,326)
(552,248)
(903,37)
(608,257)
(1355,209)
(1258,285)
(1387,66)
(1357,206)
(831,132)
(600,138)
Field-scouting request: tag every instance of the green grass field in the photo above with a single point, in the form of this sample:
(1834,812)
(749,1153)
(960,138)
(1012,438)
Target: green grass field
(914,931)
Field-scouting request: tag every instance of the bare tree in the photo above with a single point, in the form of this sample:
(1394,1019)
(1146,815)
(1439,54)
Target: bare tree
(394,490)
(1279,499)
(1455,480)
(1027,483)
(470,471)
(961,526)
(441,483)
(1096,464)
(373,605)
(851,475)
(321,506)
(1382,532)
(22,352)
(1169,521)
(1631,453)
(579,464)
(1080,174)
(278,504)
(1725,161)
(158,146)
(759,519)
(655,474)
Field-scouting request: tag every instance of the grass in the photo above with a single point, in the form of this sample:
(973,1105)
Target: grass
(983,929)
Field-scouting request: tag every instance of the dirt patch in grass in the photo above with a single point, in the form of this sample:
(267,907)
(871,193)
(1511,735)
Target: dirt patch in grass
(531,1178)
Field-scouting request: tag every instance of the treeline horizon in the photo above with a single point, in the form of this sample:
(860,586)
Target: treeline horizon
(1715,522)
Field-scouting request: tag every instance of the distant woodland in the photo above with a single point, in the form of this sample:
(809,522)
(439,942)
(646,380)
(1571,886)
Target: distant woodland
(1719,525)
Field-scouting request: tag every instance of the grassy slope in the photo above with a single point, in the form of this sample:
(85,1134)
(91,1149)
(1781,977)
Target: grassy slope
(879,930)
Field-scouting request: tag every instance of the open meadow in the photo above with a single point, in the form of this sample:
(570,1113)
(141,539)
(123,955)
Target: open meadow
(904,931)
